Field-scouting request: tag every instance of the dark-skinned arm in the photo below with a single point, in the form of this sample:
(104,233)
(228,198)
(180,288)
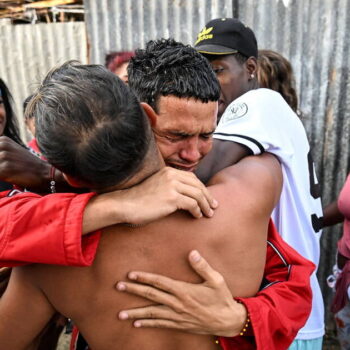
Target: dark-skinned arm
(332,214)
(222,155)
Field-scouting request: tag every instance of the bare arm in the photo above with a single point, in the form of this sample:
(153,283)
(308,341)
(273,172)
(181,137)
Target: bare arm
(332,214)
(53,224)
(222,155)
(160,195)
(24,312)
(20,167)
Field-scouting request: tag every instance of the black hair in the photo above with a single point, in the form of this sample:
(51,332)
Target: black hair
(240,58)
(90,125)
(166,67)
(11,129)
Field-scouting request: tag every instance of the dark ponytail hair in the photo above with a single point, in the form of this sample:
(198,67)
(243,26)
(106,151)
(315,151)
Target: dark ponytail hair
(11,128)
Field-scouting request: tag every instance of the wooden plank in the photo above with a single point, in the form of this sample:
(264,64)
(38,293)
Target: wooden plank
(36,5)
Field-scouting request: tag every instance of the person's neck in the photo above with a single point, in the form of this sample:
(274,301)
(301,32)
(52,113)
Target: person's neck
(152,163)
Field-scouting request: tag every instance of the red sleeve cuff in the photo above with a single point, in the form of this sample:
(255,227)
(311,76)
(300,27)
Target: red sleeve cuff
(79,250)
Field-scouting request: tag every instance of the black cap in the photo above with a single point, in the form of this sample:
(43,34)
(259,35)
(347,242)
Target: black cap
(224,36)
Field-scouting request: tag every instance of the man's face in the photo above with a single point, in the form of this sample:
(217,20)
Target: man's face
(233,78)
(184,130)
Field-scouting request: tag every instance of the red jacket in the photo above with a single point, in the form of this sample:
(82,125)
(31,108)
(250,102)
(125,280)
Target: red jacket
(277,312)
(283,306)
(36,229)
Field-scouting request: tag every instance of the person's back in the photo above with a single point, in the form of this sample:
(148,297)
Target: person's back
(88,295)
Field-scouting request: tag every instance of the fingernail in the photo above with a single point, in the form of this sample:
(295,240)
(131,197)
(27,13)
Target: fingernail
(215,203)
(121,286)
(132,275)
(195,257)
(211,212)
(123,315)
(137,324)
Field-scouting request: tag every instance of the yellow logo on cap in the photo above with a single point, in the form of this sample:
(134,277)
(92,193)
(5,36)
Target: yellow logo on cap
(204,34)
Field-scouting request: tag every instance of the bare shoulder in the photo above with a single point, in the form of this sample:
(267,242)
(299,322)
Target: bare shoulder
(255,181)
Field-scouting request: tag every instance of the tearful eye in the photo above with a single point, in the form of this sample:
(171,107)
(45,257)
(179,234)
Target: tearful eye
(174,138)
(218,70)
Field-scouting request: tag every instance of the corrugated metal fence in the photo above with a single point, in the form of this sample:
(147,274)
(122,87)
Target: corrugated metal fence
(28,51)
(313,34)
(123,25)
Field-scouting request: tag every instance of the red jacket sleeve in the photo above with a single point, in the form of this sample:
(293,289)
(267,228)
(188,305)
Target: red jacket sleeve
(47,230)
(283,306)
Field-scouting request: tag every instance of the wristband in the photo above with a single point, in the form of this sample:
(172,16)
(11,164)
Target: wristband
(247,321)
(52,179)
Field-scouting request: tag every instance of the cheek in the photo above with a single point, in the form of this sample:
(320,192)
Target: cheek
(225,85)
(205,146)
(166,148)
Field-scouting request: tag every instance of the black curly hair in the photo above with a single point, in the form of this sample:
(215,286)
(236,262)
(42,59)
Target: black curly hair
(166,67)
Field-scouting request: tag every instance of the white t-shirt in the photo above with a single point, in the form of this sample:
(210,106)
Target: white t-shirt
(262,120)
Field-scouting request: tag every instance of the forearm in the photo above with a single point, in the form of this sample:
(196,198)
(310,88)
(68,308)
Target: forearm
(35,229)
(332,215)
(104,210)
(44,174)
(223,155)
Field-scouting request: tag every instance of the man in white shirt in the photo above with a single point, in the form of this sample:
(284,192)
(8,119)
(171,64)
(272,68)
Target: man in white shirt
(259,120)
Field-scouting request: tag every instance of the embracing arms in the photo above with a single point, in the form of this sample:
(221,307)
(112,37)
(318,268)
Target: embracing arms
(31,225)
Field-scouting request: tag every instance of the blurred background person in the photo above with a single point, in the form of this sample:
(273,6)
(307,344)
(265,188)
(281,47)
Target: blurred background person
(8,123)
(29,121)
(276,73)
(117,62)
(336,212)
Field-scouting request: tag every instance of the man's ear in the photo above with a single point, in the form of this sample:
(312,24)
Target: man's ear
(74,182)
(252,65)
(151,114)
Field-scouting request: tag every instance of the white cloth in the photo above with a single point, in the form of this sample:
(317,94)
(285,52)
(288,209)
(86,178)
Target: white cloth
(262,120)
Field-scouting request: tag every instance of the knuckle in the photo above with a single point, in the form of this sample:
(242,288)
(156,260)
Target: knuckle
(179,308)
(149,293)
(151,314)
(173,196)
(157,282)
(194,205)
(218,279)
(169,172)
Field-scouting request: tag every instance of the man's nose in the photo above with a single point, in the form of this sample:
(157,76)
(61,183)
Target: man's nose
(190,150)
